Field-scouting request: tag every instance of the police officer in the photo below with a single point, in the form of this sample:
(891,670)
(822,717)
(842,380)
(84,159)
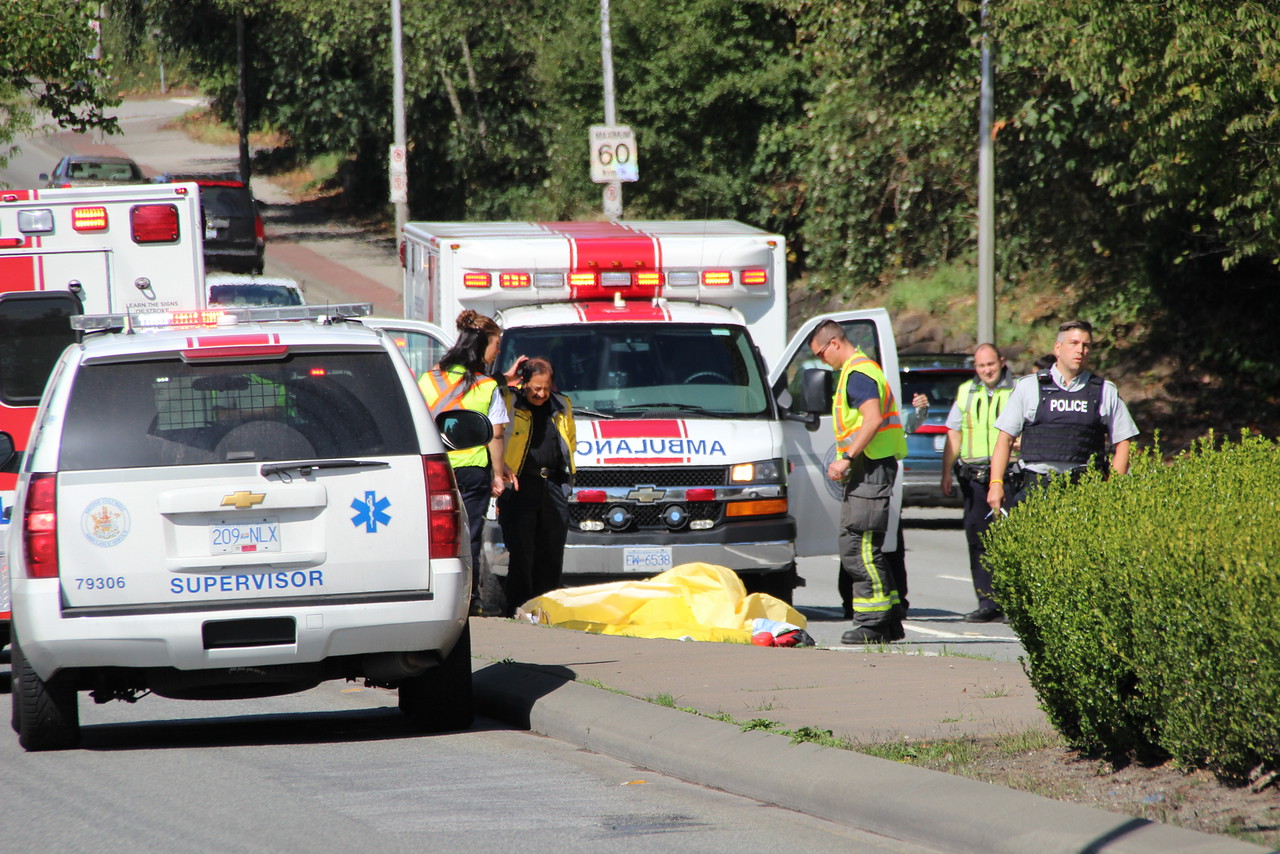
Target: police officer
(971,438)
(1066,417)
(869,441)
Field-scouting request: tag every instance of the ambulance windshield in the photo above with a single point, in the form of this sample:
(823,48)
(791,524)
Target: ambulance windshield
(639,370)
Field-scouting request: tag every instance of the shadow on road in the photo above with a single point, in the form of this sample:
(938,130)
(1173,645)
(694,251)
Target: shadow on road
(336,727)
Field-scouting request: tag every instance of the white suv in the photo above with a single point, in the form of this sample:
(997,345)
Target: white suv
(237,511)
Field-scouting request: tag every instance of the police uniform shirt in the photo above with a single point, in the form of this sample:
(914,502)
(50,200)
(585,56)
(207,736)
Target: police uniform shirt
(1025,400)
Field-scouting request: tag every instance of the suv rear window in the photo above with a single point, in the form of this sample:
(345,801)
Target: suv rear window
(226,201)
(172,413)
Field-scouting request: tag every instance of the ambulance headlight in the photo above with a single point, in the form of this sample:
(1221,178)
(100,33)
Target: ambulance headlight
(765,471)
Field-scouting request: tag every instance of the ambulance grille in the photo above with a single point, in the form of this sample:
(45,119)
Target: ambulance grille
(663,478)
(645,517)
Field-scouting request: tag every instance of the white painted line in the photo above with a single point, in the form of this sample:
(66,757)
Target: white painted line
(966,579)
(966,636)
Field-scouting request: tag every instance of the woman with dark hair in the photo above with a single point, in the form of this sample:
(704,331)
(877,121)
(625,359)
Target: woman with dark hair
(534,513)
(461,381)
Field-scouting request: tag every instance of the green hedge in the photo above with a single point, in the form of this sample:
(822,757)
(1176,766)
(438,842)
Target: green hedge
(1149,606)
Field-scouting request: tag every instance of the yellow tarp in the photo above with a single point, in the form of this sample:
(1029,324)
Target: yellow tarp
(700,601)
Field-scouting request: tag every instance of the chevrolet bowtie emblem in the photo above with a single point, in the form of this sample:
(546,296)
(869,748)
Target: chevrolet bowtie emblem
(646,494)
(243,500)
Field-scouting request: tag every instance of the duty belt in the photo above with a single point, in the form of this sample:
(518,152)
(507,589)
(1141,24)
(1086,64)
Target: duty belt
(982,474)
(967,471)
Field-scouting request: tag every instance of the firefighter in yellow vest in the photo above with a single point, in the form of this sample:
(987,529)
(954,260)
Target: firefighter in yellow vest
(971,438)
(534,511)
(869,443)
(460,381)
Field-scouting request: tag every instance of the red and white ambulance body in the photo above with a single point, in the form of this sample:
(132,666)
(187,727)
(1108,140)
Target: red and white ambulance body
(663,334)
(94,250)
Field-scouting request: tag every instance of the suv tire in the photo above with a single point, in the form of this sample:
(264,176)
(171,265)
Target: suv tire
(440,699)
(46,714)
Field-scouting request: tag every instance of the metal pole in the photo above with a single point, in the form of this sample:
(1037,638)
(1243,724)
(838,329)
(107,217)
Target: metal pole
(986,203)
(613,189)
(397,62)
(242,99)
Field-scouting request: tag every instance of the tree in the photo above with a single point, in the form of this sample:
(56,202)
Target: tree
(47,68)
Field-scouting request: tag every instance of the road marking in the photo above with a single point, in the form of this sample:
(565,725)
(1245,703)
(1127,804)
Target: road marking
(966,636)
(955,578)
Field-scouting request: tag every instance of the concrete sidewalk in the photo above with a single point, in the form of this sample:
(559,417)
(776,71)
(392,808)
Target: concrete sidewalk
(583,689)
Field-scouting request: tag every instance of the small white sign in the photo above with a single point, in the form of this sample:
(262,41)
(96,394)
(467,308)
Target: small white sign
(398,172)
(614,156)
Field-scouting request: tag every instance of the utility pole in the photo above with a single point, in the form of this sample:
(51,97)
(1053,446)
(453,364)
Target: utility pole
(398,170)
(986,203)
(613,189)
(242,100)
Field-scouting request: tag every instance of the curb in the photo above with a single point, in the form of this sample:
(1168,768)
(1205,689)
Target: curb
(912,805)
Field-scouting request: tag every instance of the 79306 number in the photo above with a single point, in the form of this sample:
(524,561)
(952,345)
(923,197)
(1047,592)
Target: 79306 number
(101,583)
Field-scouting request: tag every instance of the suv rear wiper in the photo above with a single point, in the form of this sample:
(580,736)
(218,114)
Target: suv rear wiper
(304,467)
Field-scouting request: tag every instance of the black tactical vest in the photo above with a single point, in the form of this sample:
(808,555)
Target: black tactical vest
(1068,425)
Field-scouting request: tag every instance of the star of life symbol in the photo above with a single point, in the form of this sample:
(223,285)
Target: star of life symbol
(371,512)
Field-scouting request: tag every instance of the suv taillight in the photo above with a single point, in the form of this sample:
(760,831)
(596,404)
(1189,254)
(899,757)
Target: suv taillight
(40,526)
(444,507)
(154,223)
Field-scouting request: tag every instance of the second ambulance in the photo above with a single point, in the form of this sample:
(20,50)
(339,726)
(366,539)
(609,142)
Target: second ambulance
(670,338)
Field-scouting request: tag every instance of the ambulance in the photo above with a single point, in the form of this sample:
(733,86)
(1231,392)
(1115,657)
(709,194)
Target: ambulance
(670,339)
(67,252)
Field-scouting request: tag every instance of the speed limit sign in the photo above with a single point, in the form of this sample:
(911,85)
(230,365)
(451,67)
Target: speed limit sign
(613,154)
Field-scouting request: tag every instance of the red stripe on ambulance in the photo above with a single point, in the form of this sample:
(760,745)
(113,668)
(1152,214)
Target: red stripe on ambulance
(606,247)
(644,441)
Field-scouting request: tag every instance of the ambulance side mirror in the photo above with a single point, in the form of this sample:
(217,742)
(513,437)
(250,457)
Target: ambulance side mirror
(812,398)
(816,389)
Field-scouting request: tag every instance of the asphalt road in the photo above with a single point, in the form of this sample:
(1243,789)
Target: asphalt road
(336,769)
(940,594)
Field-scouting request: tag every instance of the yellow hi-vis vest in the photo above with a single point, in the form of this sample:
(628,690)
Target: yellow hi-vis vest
(978,419)
(443,391)
(890,440)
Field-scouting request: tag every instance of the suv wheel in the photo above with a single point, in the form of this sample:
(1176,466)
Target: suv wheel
(440,699)
(45,714)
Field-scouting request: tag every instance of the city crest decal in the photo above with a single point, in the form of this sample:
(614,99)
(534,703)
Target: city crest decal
(105,522)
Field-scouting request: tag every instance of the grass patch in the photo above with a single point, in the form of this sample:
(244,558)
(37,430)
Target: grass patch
(1028,741)
(202,126)
(596,683)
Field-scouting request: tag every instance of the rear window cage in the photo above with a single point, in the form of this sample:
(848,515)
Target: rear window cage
(172,413)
